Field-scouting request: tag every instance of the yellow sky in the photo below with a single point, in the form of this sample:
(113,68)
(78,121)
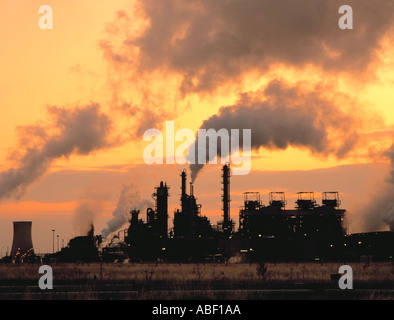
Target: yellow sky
(66,67)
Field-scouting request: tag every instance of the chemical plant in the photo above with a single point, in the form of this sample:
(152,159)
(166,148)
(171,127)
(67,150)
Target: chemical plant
(271,232)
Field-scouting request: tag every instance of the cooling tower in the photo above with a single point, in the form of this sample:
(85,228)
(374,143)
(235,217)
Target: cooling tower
(22,242)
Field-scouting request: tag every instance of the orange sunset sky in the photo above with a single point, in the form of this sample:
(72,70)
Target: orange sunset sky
(76,100)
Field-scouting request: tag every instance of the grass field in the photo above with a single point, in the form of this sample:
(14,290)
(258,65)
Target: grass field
(197,281)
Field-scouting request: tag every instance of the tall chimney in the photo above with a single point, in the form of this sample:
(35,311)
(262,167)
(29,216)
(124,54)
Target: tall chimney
(183,188)
(162,208)
(22,242)
(226,198)
(134,216)
(91,231)
(191,189)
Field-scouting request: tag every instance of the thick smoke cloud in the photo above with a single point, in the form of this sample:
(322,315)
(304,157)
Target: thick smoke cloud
(79,131)
(209,43)
(281,116)
(129,199)
(378,213)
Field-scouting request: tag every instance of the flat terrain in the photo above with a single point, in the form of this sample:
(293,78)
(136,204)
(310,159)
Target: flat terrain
(197,281)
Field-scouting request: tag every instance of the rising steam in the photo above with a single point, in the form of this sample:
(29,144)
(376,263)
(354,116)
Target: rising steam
(84,215)
(282,116)
(78,131)
(129,198)
(378,212)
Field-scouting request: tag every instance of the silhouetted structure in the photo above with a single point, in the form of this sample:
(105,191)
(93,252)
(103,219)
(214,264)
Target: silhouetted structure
(370,246)
(188,223)
(161,196)
(227,225)
(22,244)
(266,232)
(307,232)
(144,241)
(80,249)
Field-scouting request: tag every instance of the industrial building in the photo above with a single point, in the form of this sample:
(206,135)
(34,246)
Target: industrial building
(309,231)
(80,249)
(266,232)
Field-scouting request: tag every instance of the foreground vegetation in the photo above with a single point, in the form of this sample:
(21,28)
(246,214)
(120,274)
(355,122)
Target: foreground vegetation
(197,281)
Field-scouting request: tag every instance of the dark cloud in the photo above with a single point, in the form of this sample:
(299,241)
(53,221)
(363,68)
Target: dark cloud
(212,42)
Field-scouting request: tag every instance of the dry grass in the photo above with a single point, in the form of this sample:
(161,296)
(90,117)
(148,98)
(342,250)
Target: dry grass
(191,281)
(201,273)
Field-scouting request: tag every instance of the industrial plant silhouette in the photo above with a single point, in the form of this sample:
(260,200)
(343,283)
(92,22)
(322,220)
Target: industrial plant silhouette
(309,232)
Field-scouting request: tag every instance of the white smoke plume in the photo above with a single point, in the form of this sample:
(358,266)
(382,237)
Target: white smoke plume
(281,116)
(378,213)
(84,215)
(129,199)
(78,131)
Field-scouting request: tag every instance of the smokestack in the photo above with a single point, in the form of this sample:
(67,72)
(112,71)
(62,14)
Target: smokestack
(134,216)
(191,189)
(22,242)
(226,198)
(162,208)
(91,231)
(183,188)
